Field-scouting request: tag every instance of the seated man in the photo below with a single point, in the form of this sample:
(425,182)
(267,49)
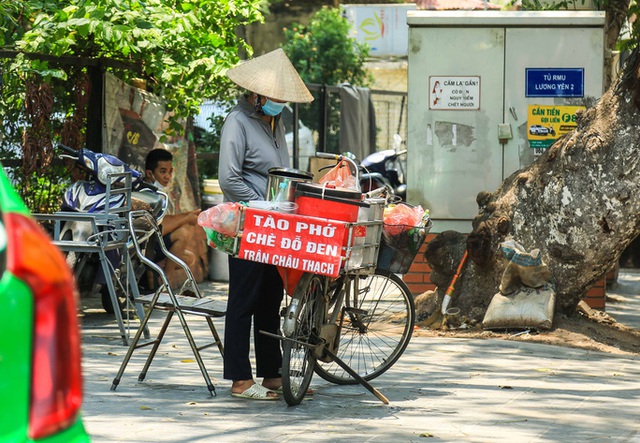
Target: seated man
(182,235)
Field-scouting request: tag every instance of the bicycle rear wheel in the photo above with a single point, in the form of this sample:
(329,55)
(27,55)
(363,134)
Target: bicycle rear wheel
(377,322)
(302,325)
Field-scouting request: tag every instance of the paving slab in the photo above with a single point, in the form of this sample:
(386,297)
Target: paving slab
(441,389)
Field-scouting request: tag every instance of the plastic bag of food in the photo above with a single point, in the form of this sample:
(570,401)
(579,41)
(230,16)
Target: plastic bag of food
(222,218)
(340,176)
(402,217)
(216,240)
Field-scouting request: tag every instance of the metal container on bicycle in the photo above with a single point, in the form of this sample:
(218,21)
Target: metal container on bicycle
(282,183)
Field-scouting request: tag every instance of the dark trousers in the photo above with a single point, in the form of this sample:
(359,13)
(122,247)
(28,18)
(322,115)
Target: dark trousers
(255,291)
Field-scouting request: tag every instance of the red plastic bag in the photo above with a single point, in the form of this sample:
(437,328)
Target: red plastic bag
(401,218)
(340,176)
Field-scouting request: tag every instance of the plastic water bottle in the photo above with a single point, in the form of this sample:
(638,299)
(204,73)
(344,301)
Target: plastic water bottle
(359,236)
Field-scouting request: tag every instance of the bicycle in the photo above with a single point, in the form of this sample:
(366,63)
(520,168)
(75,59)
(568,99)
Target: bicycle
(350,316)
(350,329)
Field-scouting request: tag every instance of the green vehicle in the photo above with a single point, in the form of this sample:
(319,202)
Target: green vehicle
(40,373)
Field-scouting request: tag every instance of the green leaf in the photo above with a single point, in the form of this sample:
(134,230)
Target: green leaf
(78,22)
(143,24)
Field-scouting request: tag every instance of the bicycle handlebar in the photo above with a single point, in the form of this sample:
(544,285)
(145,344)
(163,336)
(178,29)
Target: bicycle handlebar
(376,192)
(338,158)
(328,155)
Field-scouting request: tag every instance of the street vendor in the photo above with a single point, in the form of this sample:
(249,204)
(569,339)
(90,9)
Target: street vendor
(252,142)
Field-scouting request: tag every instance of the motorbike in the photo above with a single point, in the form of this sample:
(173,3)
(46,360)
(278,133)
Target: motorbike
(89,195)
(386,169)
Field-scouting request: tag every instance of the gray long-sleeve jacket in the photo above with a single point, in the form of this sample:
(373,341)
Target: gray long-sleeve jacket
(248,149)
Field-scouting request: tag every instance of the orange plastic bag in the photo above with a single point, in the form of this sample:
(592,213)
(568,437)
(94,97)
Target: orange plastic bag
(340,176)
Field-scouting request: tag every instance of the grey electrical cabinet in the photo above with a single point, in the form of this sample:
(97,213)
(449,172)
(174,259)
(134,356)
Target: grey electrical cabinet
(488,92)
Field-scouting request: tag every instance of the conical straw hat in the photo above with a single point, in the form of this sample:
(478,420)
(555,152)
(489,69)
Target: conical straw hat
(271,75)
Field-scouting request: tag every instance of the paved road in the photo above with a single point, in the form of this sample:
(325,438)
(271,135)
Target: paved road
(441,390)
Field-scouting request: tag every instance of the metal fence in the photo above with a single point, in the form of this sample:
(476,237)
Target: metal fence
(321,120)
(391,116)
(323,116)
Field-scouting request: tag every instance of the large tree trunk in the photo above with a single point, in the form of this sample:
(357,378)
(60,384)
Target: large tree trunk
(616,17)
(579,203)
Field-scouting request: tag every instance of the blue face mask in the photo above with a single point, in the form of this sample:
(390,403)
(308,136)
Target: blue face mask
(272,108)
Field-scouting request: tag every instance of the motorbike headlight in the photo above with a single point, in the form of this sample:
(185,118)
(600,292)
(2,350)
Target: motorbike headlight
(89,164)
(105,168)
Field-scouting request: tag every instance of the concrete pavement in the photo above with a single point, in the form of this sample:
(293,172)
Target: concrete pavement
(441,390)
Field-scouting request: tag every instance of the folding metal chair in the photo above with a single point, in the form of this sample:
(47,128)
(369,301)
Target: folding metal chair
(186,301)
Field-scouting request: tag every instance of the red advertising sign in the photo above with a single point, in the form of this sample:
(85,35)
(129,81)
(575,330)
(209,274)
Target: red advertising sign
(300,242)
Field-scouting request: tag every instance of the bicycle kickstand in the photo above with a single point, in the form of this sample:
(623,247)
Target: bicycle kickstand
(357,377)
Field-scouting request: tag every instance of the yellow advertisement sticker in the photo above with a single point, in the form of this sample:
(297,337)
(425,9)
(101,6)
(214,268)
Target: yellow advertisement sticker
(545,124)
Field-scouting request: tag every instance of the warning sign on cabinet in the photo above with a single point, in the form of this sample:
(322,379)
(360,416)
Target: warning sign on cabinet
(454,93)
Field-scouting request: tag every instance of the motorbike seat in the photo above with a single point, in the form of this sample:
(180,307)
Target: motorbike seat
(150,201)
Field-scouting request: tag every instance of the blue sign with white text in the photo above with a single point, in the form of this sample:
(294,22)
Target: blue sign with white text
(558,82)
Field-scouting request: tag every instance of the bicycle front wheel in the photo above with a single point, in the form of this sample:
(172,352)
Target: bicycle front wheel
(302,325)
(377,322)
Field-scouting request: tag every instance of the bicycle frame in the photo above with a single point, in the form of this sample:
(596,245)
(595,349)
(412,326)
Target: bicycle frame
(364,318)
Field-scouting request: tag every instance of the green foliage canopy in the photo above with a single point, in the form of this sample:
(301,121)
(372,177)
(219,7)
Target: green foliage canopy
(181,47)
(324,53)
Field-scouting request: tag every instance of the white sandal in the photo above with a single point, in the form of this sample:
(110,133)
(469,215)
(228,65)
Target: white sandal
(256,392)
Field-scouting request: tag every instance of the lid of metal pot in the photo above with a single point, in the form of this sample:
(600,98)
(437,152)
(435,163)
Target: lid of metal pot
(314,188)
(291,173)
